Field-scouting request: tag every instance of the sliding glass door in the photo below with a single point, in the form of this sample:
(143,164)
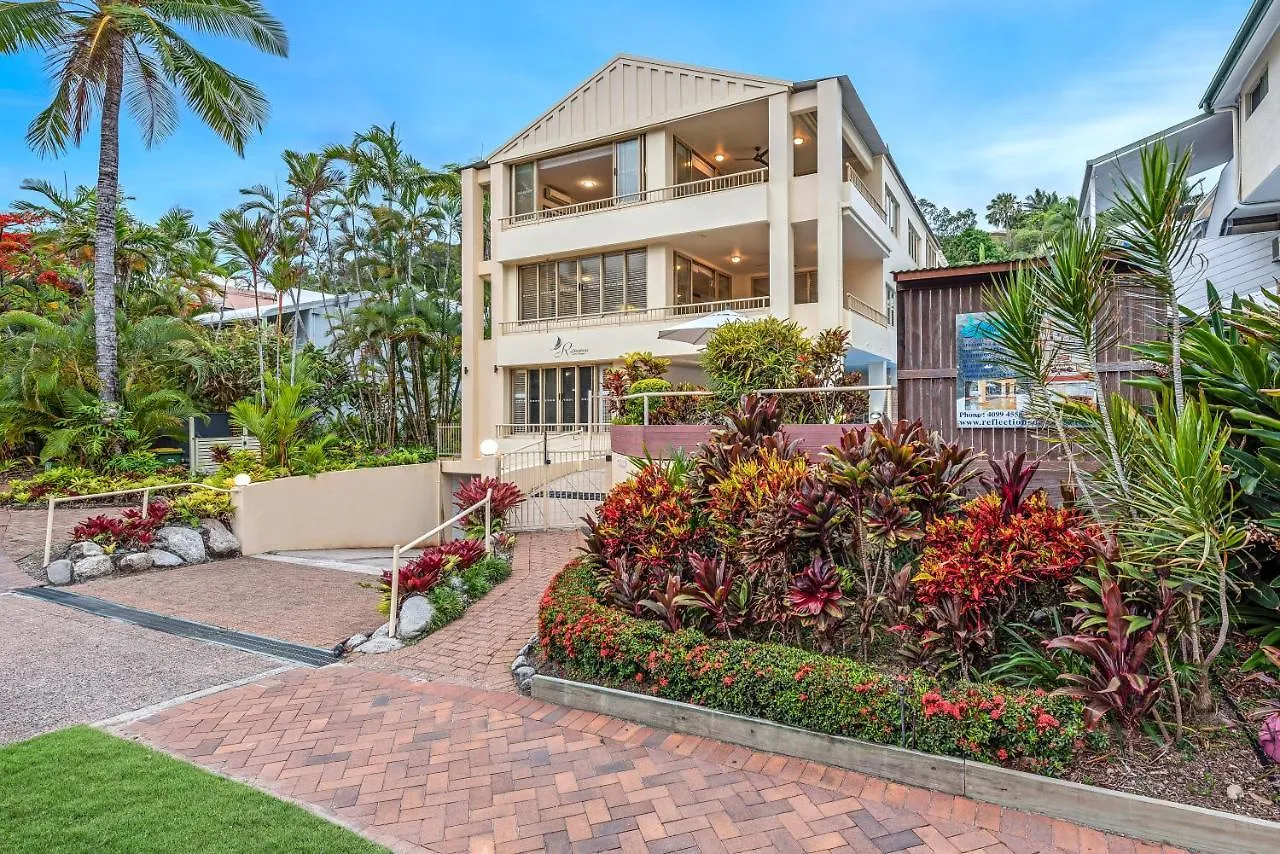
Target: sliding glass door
(628,169)
(557,398)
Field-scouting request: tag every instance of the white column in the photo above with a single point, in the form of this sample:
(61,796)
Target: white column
(657,272)
(658,169)
(781,244)
(830,177)
(472,308)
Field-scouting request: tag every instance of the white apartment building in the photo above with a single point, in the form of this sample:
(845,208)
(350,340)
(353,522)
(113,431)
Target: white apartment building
(656,192)
(1238,131)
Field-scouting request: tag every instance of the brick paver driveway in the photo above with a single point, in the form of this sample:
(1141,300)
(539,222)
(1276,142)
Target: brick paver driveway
(440,767)
(302,604)
(22,535)
(478,649)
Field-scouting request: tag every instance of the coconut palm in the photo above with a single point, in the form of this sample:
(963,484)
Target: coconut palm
(102,53)
(1004,211)
(248,240)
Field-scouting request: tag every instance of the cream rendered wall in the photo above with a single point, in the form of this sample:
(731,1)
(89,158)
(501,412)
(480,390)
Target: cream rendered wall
(362,508)
(1260,133)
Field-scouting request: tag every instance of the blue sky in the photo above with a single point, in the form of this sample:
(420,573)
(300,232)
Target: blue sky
(972,97)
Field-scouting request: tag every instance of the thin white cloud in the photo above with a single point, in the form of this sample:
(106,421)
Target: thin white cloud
(1043,139)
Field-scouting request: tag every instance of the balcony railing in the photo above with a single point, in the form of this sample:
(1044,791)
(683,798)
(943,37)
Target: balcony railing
(867,310)
(852,177)
(640,315)
(662,194)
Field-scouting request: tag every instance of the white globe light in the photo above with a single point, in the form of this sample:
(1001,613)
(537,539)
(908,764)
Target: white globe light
(242,479)
(488,447)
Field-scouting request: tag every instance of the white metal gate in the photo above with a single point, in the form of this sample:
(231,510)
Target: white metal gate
(560,487)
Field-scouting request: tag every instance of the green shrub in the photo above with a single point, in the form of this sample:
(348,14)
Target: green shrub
(448,604)
(1026,729)
(474,583)
(750,355)
(202,504)
(70,481)
(495,569)
(633,412)
(134,463)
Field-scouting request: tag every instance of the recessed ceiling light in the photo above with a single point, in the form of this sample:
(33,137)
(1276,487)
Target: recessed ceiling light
(734,259)
(719,158)
(799,140)
(587,182)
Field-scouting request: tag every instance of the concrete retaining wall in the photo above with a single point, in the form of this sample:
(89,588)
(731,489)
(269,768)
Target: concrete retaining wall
(1190,827)
(362,508)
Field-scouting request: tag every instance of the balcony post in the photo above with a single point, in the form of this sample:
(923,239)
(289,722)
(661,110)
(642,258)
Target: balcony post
(830,180)
(781,244)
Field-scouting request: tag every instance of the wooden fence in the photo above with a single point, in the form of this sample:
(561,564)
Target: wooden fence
(928,302)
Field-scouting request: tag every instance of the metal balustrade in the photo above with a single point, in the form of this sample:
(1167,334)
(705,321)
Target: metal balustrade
(641,197)
(637,315)
(870,312)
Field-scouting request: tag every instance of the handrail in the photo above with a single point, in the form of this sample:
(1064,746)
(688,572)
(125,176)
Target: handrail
(634,315)
(146,502)
(640,197)
(866,193)
(645,395)
(864,308)
(486,503)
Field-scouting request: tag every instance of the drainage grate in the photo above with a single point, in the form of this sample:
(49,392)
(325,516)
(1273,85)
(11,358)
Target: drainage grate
(292,652)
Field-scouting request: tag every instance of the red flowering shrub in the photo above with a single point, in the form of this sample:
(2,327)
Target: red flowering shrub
(980,559)
(1025,729)
(132,529)
(427,569)
(649,523)
(505,497)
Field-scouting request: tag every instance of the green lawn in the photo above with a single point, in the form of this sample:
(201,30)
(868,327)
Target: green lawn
(81,790)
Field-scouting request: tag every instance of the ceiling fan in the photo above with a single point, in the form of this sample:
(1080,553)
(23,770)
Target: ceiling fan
(761,156)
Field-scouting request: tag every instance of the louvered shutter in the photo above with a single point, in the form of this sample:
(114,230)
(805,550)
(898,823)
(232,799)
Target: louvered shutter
(567,288)
(547,290)
(637,283)
(614,289)
(589,284)
(527,297)
(519,397)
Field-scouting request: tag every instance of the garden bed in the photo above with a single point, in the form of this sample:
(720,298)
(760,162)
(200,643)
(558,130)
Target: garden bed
(581,639)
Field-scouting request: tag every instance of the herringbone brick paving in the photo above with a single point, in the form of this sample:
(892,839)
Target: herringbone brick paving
(431,766)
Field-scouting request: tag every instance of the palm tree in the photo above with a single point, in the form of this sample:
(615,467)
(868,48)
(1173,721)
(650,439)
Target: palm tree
(102,52)
(249,241)
(1004,211)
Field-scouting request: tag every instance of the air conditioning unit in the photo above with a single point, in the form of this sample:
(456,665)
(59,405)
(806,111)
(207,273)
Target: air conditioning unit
(1275,249)
(556,196)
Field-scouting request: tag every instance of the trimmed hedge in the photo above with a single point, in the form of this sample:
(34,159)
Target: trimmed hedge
(1030,730)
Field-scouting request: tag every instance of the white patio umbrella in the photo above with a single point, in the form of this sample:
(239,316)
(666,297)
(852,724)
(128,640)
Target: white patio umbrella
(697,330)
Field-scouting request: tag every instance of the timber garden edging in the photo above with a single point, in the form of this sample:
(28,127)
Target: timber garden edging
(1145,818)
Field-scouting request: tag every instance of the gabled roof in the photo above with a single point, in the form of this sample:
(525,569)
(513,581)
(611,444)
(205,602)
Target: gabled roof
(1243,43)
(629,93)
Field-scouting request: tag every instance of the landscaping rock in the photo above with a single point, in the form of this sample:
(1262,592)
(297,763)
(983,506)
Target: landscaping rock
(136,562)
(354,641)
(163,559)
(59,572)
(186,543)
(220,541)
(416,615)
(80,551)
(93,567)
(380,645)
(380,632)
(1235,792)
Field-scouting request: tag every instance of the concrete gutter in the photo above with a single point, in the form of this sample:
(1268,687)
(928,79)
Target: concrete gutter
(1136,816)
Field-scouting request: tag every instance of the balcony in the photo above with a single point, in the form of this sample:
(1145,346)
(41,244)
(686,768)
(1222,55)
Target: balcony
(627,318)
(662,194)
(851,175)
(865,309)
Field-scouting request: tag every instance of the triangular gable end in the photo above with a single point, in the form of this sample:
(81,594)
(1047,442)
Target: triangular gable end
(630,93)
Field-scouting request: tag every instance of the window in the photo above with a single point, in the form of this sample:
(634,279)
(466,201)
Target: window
(760,287)
(1256,94)
(556,397)
(913,242)
(891,303)
(690,165)
(892,211)
(487,306)
(931,254)
(806,287)
(524,188)
(696,283)
(588,285)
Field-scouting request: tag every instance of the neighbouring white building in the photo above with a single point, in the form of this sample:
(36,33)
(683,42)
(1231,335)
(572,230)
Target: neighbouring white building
(656,192)
(1238,131)
(313,317)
